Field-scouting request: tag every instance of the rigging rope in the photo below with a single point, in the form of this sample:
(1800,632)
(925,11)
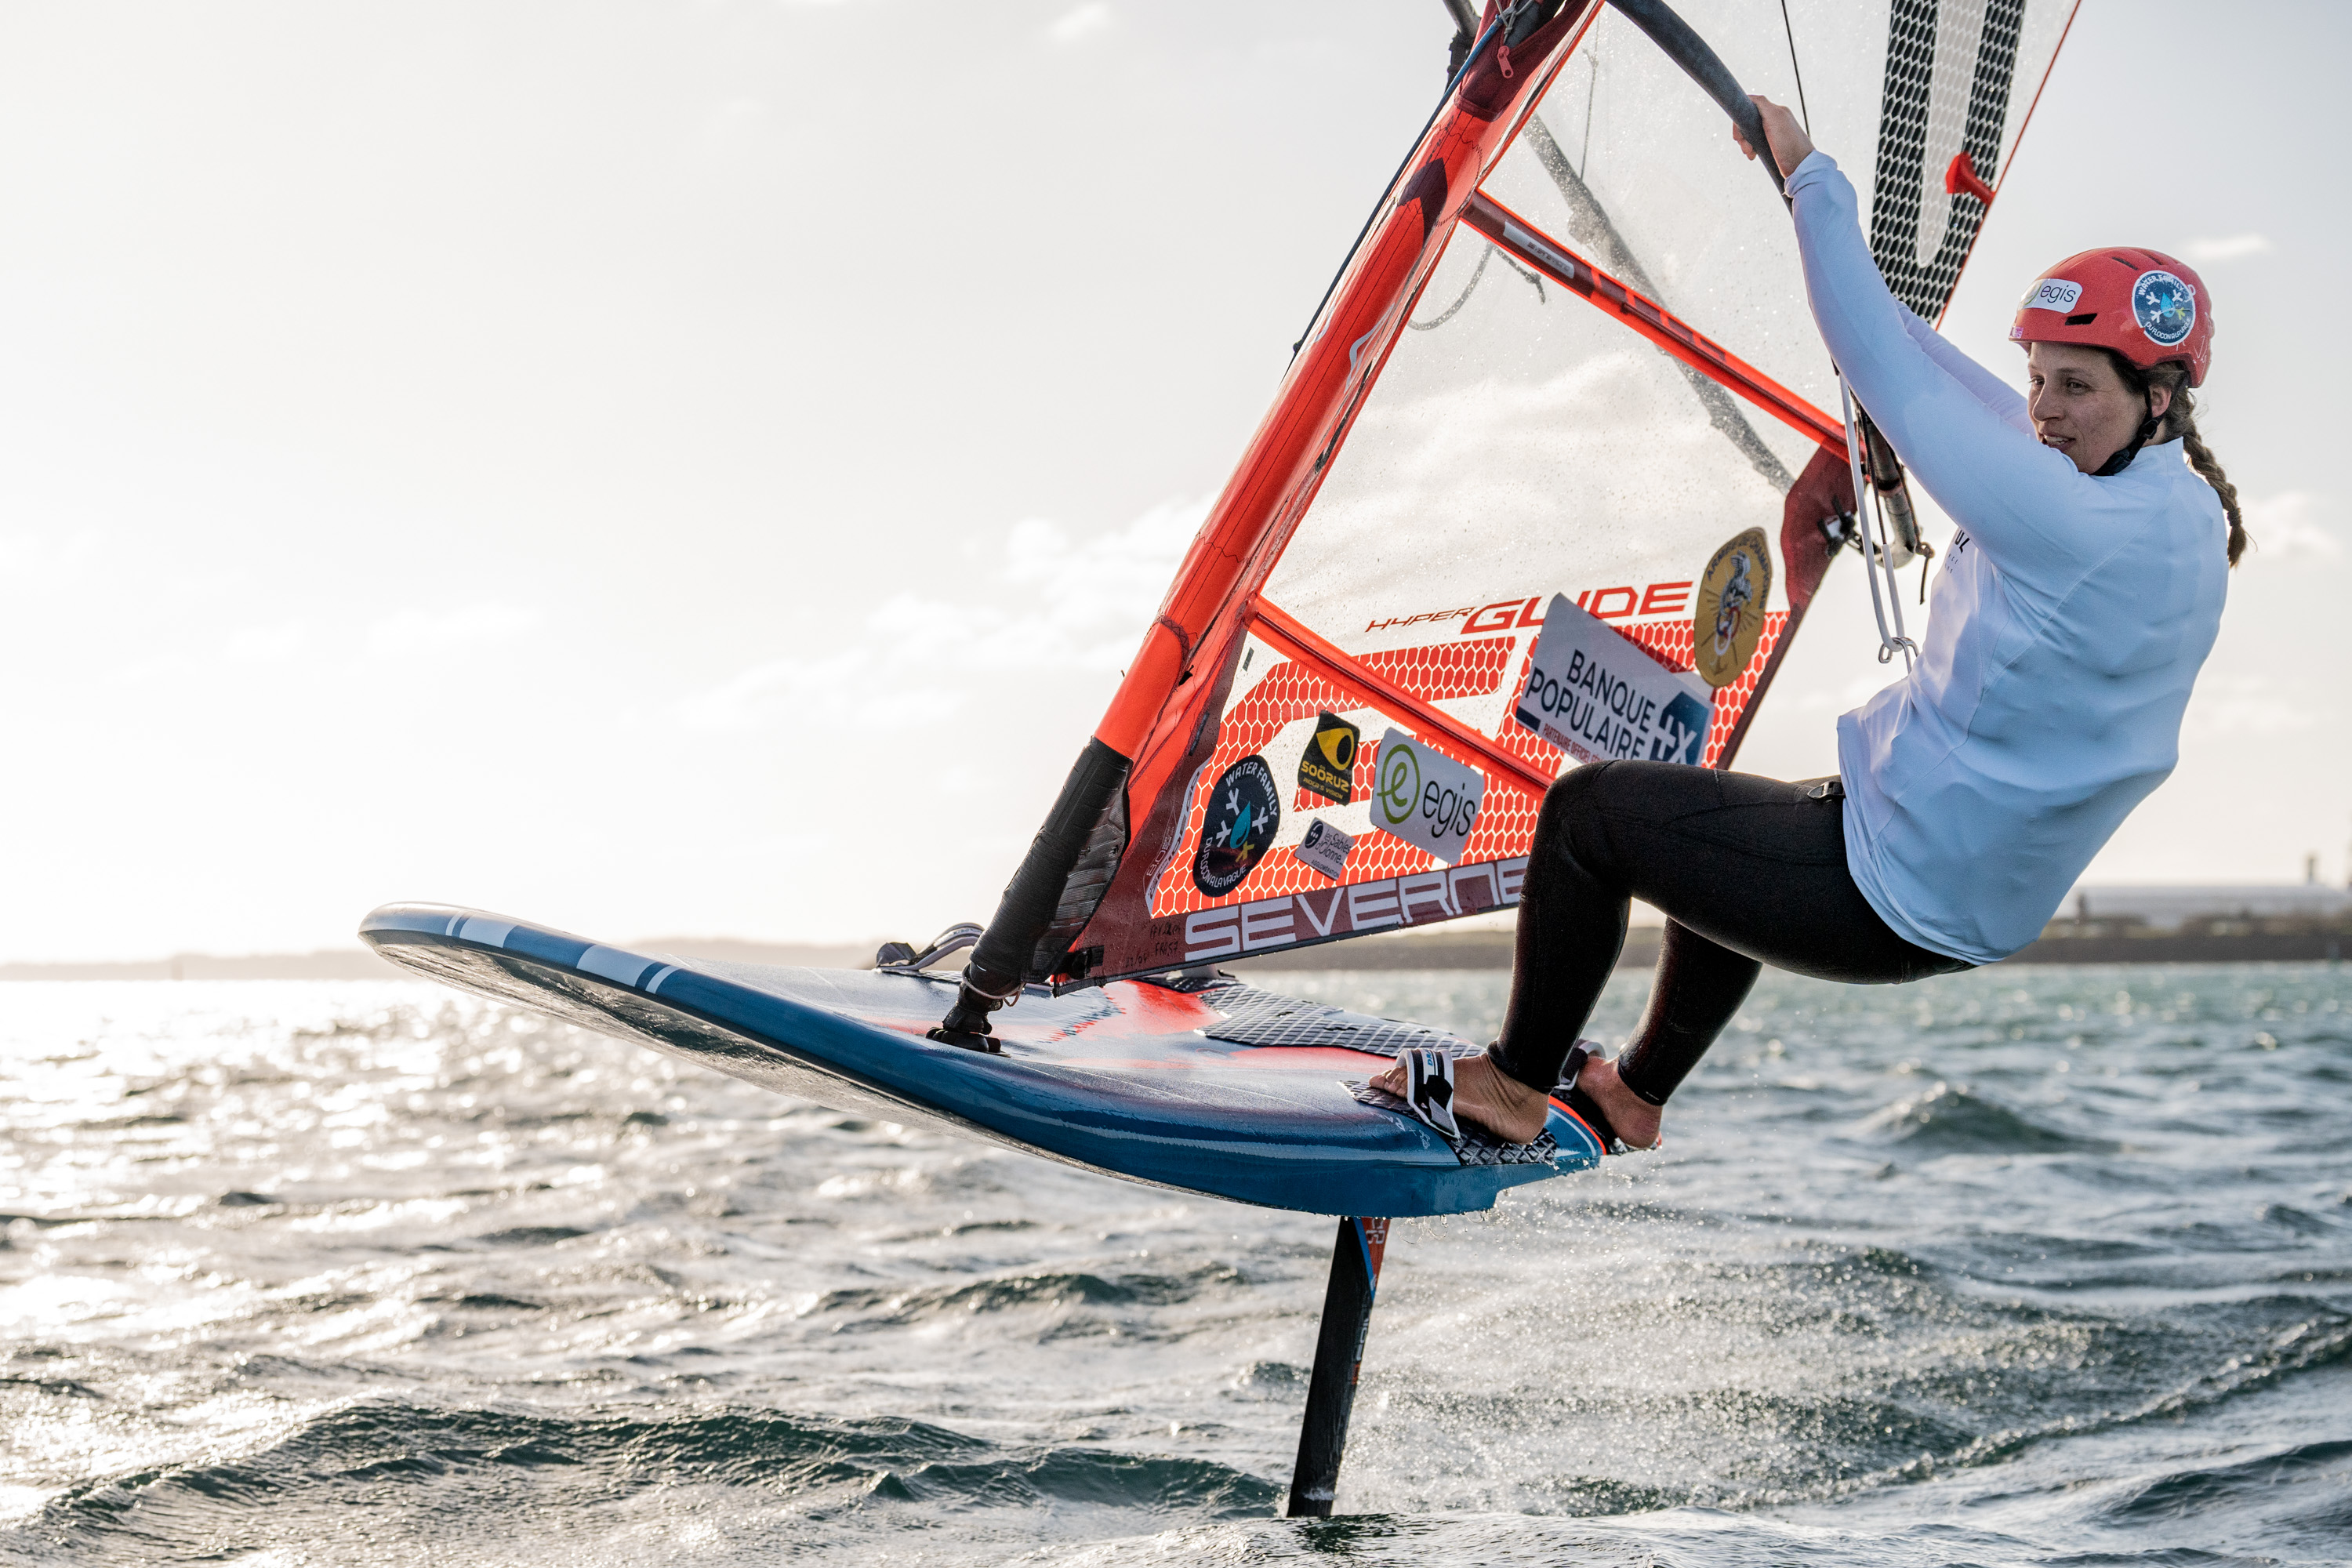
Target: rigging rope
(1874,558)
(1492,251)
(1802,112)
(1333,286)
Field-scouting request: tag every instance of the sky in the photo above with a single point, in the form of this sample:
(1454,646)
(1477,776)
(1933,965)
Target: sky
(700,468)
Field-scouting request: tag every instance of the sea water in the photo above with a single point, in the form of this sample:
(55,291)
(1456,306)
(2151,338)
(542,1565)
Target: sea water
(2029,1265)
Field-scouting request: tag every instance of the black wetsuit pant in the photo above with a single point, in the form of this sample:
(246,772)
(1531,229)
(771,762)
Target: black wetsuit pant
(1747,870)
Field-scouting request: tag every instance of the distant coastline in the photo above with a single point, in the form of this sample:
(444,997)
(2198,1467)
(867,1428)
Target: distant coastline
(359,964)
(2220,942)
(2245,935)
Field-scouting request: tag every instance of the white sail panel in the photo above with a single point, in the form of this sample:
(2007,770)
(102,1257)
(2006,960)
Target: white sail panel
(1631,165)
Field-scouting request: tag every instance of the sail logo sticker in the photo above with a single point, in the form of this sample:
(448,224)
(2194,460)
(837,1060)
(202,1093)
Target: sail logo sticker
(2164,308)
(1425,798)
(1418,898)
(1729,619)
(1327,766)
(1239,824)
(1599,698)
(2052,294)
(1325,848)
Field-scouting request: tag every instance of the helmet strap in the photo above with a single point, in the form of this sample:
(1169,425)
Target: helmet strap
(2130,449)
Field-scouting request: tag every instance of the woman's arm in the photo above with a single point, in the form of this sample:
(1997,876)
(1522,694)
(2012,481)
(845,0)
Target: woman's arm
(1995,394)
(1790,146)
(1995,479)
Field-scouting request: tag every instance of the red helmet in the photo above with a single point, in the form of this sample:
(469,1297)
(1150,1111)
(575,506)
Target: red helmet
(2141,303)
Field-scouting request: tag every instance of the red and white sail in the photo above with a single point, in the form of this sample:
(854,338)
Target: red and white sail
(1570,364)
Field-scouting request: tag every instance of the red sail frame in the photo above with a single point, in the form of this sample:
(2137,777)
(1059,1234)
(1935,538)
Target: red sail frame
(1166,717)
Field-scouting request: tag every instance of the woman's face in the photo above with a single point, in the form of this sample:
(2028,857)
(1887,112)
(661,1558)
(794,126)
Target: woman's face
(2081,406)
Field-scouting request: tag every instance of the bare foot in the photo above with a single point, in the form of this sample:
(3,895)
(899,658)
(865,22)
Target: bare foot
(1486,1096)
(1632,1118)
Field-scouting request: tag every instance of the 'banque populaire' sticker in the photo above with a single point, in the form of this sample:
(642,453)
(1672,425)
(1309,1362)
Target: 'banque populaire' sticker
(1597,696)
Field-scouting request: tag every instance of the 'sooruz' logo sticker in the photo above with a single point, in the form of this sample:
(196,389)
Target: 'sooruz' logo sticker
(2164,308)
(1243,815)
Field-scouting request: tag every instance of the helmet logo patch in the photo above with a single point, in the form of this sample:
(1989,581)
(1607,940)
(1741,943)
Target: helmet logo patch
(2053,294)
(2164,306)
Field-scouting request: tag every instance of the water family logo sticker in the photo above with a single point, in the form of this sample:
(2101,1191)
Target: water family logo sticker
(2052,294)
(1241,817)
(1325,848)
(1425,797)
(2164,308)
(1729,619)
(1598,697)
(1327,766)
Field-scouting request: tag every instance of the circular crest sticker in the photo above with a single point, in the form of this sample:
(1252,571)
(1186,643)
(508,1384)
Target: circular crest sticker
(1729,618)
(2164,306)
(1239,825)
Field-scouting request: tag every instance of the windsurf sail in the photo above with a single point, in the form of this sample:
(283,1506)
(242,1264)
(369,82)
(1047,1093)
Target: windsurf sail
(1552,477)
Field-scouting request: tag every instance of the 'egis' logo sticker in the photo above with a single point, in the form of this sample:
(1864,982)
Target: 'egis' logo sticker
(2164,308)
(2052,294)
(1424,796)
(1237,827)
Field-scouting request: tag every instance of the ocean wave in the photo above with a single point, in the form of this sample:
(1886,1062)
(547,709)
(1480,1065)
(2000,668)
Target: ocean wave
(395,1459)
(872,1308)
(1948,1120)
(2326,1508)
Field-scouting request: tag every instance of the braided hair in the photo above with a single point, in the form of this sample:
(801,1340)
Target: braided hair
(2180,423)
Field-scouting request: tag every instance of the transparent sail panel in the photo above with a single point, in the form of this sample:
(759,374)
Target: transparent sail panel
(1626,160)
(1521,443)
(1630,164)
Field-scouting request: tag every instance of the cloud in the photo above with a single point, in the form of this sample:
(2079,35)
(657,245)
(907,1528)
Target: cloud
(2228,706)
(263,645)
(473,626)
(2234,247)
(1082,22)
(1057,606)
(41,561)
(2283,526)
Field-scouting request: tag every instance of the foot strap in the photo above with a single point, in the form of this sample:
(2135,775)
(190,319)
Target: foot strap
(1429,1090)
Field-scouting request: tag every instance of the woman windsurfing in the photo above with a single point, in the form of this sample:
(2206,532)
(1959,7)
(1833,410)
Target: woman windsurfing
(2081,592)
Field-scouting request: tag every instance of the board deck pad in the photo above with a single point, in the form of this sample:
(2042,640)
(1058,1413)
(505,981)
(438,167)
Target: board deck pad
(1201,1083)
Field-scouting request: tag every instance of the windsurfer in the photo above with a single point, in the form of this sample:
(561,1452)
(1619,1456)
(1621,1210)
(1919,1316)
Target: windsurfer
(2082,590)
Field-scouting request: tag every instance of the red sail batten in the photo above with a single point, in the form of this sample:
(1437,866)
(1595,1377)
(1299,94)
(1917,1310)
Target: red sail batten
(1523,240)
(1277,627)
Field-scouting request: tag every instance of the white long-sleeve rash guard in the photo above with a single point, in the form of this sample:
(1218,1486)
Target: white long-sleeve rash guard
(2068,623)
